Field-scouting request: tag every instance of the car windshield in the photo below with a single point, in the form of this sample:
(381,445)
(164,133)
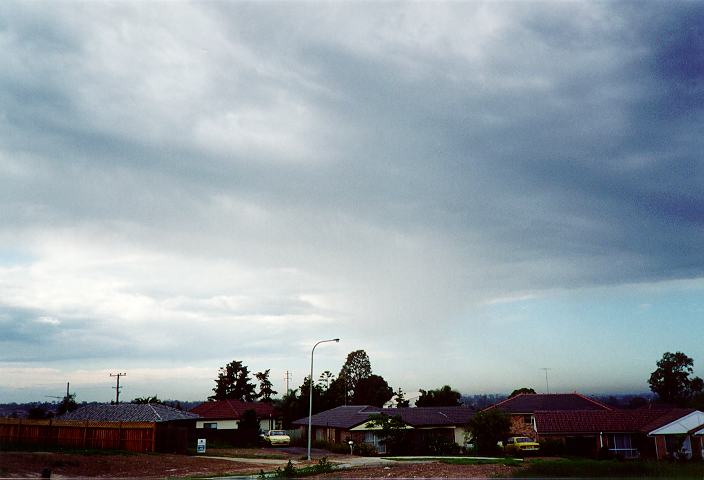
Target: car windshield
(524,439)
(276,432)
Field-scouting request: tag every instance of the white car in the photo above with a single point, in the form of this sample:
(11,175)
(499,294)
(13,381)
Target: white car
(277,438)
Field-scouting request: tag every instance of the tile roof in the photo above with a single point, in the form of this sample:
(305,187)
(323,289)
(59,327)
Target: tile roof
(128,412)
(593,421)
(352,415)
(532,402)
(232,409)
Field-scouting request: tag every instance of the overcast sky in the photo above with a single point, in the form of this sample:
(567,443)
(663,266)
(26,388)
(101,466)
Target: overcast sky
(469,192)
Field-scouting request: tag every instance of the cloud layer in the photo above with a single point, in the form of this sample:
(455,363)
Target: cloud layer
(191,183)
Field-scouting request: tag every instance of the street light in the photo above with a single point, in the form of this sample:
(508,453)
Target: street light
(310,403)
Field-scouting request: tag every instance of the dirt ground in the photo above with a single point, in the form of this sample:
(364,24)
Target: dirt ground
(30,465)
(424,470)
(74,465)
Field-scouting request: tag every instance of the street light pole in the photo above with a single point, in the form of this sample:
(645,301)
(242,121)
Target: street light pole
(310,403)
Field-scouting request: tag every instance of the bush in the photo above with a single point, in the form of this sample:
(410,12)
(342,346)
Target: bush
(364,450)
(442,446)
(552,447)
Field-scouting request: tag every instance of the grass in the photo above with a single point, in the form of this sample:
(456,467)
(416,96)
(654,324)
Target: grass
(460,460)
(583,468)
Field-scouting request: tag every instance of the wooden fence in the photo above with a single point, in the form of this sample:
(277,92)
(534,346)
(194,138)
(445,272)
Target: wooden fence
(132,436)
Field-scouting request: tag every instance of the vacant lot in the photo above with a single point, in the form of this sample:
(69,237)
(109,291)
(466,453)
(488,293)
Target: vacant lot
(30,464)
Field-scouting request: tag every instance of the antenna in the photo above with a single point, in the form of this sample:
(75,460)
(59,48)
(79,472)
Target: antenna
(547,385)
(117,388)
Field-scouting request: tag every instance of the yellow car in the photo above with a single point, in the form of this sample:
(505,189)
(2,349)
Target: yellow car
(277,438)
(518,445)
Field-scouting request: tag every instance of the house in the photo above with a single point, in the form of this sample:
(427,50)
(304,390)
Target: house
(129,426)
(227,414)
(522,408)
(656,433)
(425,425)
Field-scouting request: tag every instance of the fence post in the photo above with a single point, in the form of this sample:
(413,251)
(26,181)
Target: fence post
(85,434)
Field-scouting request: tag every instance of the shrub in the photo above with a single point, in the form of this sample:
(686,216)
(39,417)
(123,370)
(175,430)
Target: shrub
(364,450)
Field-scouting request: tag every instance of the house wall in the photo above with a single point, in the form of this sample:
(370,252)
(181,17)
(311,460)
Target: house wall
(222,424)
(521,427)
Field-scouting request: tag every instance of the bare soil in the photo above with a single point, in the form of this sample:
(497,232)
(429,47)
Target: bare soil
(127,465)
(424,470)
(31,464)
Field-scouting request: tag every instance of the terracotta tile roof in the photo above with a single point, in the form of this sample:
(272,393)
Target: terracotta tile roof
(128,412)
(232,409)
(352,415)
(533,402)
(594,421)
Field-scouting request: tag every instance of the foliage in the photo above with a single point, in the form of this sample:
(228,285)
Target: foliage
(265,386)
(441,397)
(289,471)
(68,404)
(38,413)
(671,381)
(393,432)
(587,468)
(488,428)
(233,383)
(143,400)
(325,379)
(552,447)
(364,450)
(355,368)
(400,399)
(518,391)
(372,390)
(442,446)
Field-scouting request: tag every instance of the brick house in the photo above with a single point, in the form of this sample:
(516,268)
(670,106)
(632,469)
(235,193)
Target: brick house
(425,424)
(227,414)
(522,408)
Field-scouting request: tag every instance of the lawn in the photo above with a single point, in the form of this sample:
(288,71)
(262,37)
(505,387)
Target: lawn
(610,468)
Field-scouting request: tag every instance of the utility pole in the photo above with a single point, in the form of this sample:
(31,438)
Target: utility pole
(287,377)
(117,388)
(547,385)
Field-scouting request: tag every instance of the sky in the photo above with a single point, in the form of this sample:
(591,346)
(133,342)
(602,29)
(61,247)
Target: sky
(468,191)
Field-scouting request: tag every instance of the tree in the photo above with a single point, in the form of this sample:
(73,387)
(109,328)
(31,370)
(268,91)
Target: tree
(518,391)
(68,404)
(356,367)
(442,397)
(143,400)
(671,380)
(38,413)
(393,432)
(325,379)
(265,386)
(488,428)
(233,383)
(400,399)
(372,390)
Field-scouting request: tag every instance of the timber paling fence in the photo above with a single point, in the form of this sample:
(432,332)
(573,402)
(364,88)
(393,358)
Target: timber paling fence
(132,436)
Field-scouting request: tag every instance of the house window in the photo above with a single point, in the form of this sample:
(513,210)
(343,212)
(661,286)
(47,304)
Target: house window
(528,419)
(212,425)
(371,438)
(621,444)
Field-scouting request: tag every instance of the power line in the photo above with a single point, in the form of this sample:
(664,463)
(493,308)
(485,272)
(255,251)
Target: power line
(118,387)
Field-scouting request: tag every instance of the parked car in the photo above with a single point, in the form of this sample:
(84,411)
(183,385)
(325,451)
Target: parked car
(521,445)
(277,438)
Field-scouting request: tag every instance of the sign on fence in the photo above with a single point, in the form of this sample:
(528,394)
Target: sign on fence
(200,447)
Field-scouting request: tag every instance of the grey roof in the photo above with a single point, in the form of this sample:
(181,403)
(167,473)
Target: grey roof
(349,416)
(129,412)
